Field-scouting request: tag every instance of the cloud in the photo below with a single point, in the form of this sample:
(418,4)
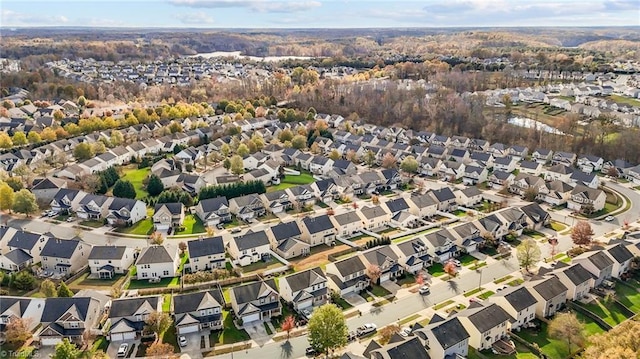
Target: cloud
(253,5)
(12,18)
(195,18)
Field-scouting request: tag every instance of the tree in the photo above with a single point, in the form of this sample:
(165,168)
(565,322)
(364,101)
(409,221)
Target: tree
(285,135)
(373,272)
(5,140)
(64,291)
(24,281)
(288,324)
(154,186)
(116,138)
(66,350)
(334,155)
(242,150)
(82,101)
(98,148)
(237,165)
(83,152)
(450,268)
(19,139)
(124,189)
(530,194)
(17,331)
(409,164)
(566,327)
(370,158)
(159,349)
(299,142)
(183,247)
(388,161)
(420,278)
(327,329)
(387,332)
(156,238)
(48,288)
(621,342)
(528,253)
(489,238)
(25,202)
(226,163)
(158,322)
(33,137)
(375,199)
(582,234)
(6,197)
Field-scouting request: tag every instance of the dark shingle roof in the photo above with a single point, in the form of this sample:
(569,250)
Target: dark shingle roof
(620,253)
(282,231)
(443,194)
(249,292)
(405,349)
(449,332)
(128,306)
(519,298)
(205,246)
(305,279)
(23,240)
(213,204)
(600,260)
(349,266)
(373,212)
(107,252)
(54,308)
(59,248)
(550,288)
(154,254)
(174,208)
(251,240)
(485,318)
(185,303)
(318,224)
(347,218)
(577,274)
(397,205)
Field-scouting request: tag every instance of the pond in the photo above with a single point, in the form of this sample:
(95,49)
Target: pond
(529,123)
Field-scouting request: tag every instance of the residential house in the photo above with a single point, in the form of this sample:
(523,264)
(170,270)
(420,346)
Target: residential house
(286,240)
(326,190)
(619,167)
(519,304)
(441,245)
(559,172)
(633,174)
(206,254)
(530,167)
(493,225)
(590,163)
(126,211)
(386,259)
(474,175)
(481,159)
(64,256)
(518,152)
(320,165)
(621,258)
(486,324)
(348,223)
(392,178)
(500,179)
(429,166)
(400,347)
(303,195)
(413,255)
(305,289)
(514,219)
(93,207)
(445,338)
(194,312)
(537,217)
(565,158)
(550,294)
(576,278)
(12,308)
(107,261)
(318,230)
(127,316)
(585,199)
(451,171)
(422,205)
(247,207)
(68,318)
(598,263)
(213,211)
(507,164)
(66,200)
(250,247)
(468,236)
(347,275)
(46,188)
(445,197)
(526,182)
(277,201)
(586,179)
(168,215)
(555,193)
(29,243)
(257,301)
(375,217)
(157,261)
(468,197)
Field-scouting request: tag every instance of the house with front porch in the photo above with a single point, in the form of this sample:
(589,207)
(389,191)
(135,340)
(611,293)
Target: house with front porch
(66,200)
(247,207)
(286,240)
(537,217)
(507,164)
(250,248)
(468,236)
(303,195)
(206,254)
(518,302)
(514,219)
(126,211)
(68,318)
(485,323)
(107,261)
(93,207)
(257,301)
(29,243)
(305,289)
(347,275)
(386,259)
(560,172)
(590,163)
(585,199)
(413,255)
(525,182)
(168,215)
(494,226)
(530,167)
(598,263)
(326,190)
(213,211)
(441,245)
(555,193)
(127,316)
(500,179)
(64,256)
(444,338)
(576,278)
(565,158)
(194,312)
(550,294)
(157,261)
(474,175)
(277,201)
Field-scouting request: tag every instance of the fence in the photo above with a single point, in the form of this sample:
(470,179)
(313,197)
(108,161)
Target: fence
(334,257)
(604,325)
(534,349)
(199,286)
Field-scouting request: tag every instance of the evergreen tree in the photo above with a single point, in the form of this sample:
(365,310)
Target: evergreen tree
(124,189)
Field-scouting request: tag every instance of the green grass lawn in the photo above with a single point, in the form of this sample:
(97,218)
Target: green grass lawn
(535,235)
(230,334)
(407,279)
(503,279)
(629,297)
(552,348)
(443,304)
(624,100)
(166,303)
(343,304)
(459,213)
(92,224)
(557,226)
(367,296)
(522,352)
(192,225)
(436,270)
(136,176)
(84,280)
(486,294)
(609,313)
(262,266)
(144,283)
(379,291)
(292,181)
(409,319)
(473,291)
(467,259)
(170,337)
(144,227)
(590,327)
(515,282)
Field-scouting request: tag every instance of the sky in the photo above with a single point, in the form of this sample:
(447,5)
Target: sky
(318,13)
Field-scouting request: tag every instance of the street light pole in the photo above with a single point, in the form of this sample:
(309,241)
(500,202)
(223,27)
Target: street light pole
(480,280)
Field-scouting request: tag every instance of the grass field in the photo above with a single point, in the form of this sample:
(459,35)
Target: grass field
(552,348)
(629,297)
(436,270)
(609,313)
(379,291)
(292,181)
(144,227)
(136,176)
(144,283)
(624,100)
(260,265)
(92,224)
(192,225)
(557,226)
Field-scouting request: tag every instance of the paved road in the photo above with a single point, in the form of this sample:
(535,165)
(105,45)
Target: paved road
(391,312)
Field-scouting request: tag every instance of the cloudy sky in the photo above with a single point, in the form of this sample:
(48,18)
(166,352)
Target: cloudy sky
(318,13)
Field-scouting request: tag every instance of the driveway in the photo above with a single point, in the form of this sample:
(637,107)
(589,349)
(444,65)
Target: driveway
(112,349)
(354,299)
(193,344)
(390,286)
(257,332)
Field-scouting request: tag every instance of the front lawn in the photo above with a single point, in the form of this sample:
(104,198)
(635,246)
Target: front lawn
(467,259)
(609,313)
(557,226)
(459,213)
(92,224)
(379,291)
(406,280)
(343,304)
(192,225)
(136,176)
(164,282)
(629,297)
(535,234)
(143,228)
(436,270)
(230,334)
(486,295)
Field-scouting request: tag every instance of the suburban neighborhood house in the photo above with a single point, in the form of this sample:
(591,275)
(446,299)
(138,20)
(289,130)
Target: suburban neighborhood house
(256,301)
(206,254)
(157,262)
(107,261)
(127,316)
(305,289)
(198,311)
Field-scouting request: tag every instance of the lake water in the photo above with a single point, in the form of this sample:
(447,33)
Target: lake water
(529,123)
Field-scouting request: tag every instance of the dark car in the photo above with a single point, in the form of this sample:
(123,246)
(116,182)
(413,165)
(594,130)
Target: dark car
(310,351)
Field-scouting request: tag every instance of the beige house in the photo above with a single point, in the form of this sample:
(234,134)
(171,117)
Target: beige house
(518,302)
(485,324)
(158,262)
(550,294)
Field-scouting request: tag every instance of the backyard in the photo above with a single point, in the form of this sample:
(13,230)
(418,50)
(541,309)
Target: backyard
(136,176)
(85,281)
(262,265)
(173,282)
(629,297)
(292,181)
(609,312)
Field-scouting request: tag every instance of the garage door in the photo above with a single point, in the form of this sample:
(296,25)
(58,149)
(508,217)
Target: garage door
(119,337)
(188,329)
(251,318)
(50,341)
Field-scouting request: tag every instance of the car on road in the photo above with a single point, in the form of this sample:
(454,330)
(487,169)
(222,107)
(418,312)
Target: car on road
(455,262)
(424,290)
(310,351)
(122,350)
(609,218)
(182,340)
(70,219)
(366,329)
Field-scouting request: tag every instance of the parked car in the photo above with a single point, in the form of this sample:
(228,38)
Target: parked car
(405,331)
(351,336)
(609,218)
(122,350)
(424,290)
(235,230)
(310,351)
(155,280)
(456,262)
(366,329)
(70,219)
(182,340)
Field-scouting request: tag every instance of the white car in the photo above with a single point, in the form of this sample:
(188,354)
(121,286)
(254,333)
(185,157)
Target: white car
(182,340)
(122,350)
(424,290)
(405,331)
(609,218)
(366,329)
(456,262)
